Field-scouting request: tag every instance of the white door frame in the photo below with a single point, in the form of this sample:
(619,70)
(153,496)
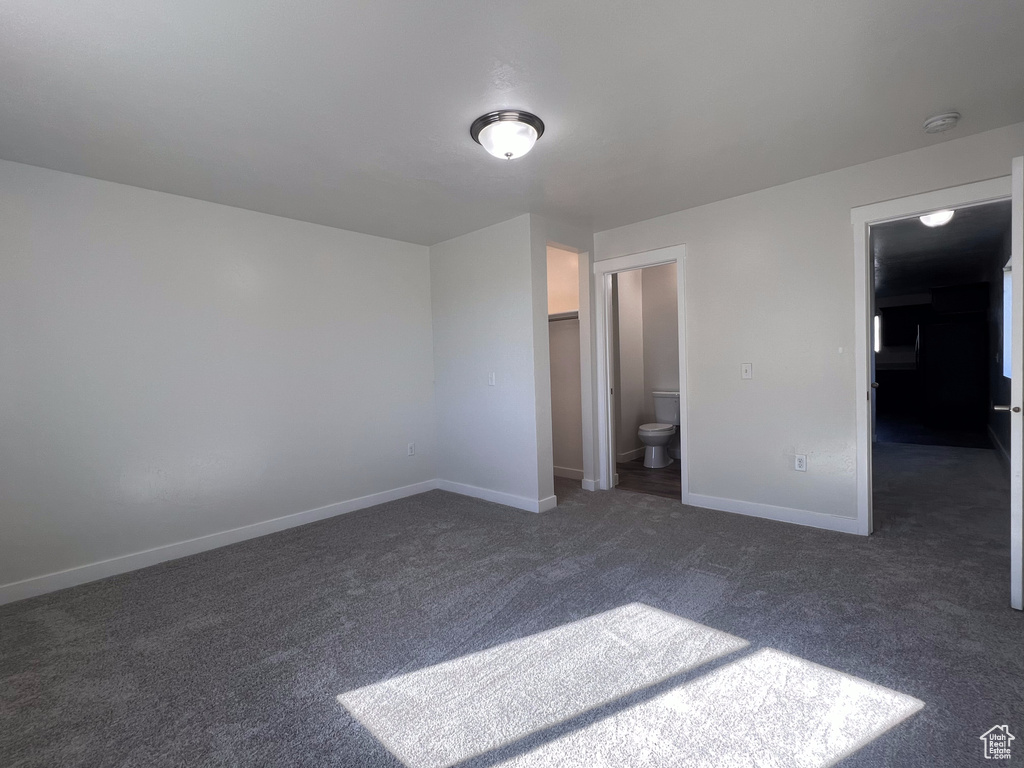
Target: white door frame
(1017,387)
(586,372)
(603,271)
(862,219)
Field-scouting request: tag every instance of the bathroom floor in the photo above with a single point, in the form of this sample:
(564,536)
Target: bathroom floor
(634,476)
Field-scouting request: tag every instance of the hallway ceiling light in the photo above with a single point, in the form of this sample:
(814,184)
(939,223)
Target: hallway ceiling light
(937,218)
(940,123)
(507,133)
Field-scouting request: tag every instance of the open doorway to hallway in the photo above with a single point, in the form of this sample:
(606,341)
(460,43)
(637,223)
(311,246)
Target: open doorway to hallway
(939,329)
(952,201)
(941,455)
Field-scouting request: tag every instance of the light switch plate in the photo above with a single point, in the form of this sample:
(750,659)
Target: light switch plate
(746,370)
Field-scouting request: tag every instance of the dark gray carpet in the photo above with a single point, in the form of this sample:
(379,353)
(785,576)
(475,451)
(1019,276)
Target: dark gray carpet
(897,428)
(237,656)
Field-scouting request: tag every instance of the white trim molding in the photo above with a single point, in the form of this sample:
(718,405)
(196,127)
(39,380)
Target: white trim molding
(636,453)
(83,574)
(862,218)
(499,497)
(780,514)
(568,473)
(586,317)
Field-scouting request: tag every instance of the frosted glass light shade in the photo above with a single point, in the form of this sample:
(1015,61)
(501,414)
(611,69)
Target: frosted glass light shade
(508,138)
(937,218)
(508,133)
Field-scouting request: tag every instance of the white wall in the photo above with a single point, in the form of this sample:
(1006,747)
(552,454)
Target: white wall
(484,321)
(566,404)
(770,280)
(563,280)
(661,333)
(630,389)
(171,369)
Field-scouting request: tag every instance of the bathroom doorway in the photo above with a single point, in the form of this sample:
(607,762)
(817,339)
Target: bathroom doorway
(614,279)
(645,375)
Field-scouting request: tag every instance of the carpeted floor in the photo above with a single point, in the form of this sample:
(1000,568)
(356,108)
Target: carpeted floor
(907,428)
(661,622)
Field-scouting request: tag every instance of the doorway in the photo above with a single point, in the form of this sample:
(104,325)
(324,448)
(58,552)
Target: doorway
(606,284)
(947,403)
(938,329)
(645,380)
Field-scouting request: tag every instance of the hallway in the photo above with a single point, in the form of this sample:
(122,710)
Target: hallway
(942,527)
(941,495)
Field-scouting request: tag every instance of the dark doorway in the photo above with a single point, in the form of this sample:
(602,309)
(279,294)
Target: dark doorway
(938,307)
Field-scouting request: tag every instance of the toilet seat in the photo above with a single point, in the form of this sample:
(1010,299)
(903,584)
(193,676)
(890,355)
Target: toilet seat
(656,428)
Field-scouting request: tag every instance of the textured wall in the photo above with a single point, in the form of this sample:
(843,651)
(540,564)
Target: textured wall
(566,405)
(770,281)
(483,320)
(629,361)
(661,332)
(171,368)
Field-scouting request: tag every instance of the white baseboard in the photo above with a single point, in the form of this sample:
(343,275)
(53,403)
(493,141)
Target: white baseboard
(549,503)
(39,585)
(1000,448)
(498,497)
(782,514)
(636,453)
(571,474)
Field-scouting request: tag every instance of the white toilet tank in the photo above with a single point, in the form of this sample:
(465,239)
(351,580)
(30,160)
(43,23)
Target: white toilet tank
(666,407)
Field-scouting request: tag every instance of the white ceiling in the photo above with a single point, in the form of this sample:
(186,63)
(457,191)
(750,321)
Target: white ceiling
(356,113)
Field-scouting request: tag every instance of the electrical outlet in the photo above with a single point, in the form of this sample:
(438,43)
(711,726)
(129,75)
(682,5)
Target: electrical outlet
(412,449)
(490,379)
(800,465)
(746,370)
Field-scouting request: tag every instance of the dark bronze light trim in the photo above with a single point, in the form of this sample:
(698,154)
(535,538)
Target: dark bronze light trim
(516,115)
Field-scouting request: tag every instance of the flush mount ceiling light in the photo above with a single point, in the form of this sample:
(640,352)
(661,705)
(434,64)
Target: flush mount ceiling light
(937,218)
(507,133)
(940,123)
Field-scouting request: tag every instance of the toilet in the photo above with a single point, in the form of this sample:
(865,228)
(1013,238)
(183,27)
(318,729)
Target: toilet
(657,435)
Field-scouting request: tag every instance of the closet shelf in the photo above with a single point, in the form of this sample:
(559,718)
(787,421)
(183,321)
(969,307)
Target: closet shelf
(564,316)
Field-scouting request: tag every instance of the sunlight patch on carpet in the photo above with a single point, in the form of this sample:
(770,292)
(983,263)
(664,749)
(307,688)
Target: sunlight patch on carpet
(450,712)
(766,709)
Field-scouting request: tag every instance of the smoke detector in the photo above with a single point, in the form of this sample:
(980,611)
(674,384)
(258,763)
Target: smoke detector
(940,123)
